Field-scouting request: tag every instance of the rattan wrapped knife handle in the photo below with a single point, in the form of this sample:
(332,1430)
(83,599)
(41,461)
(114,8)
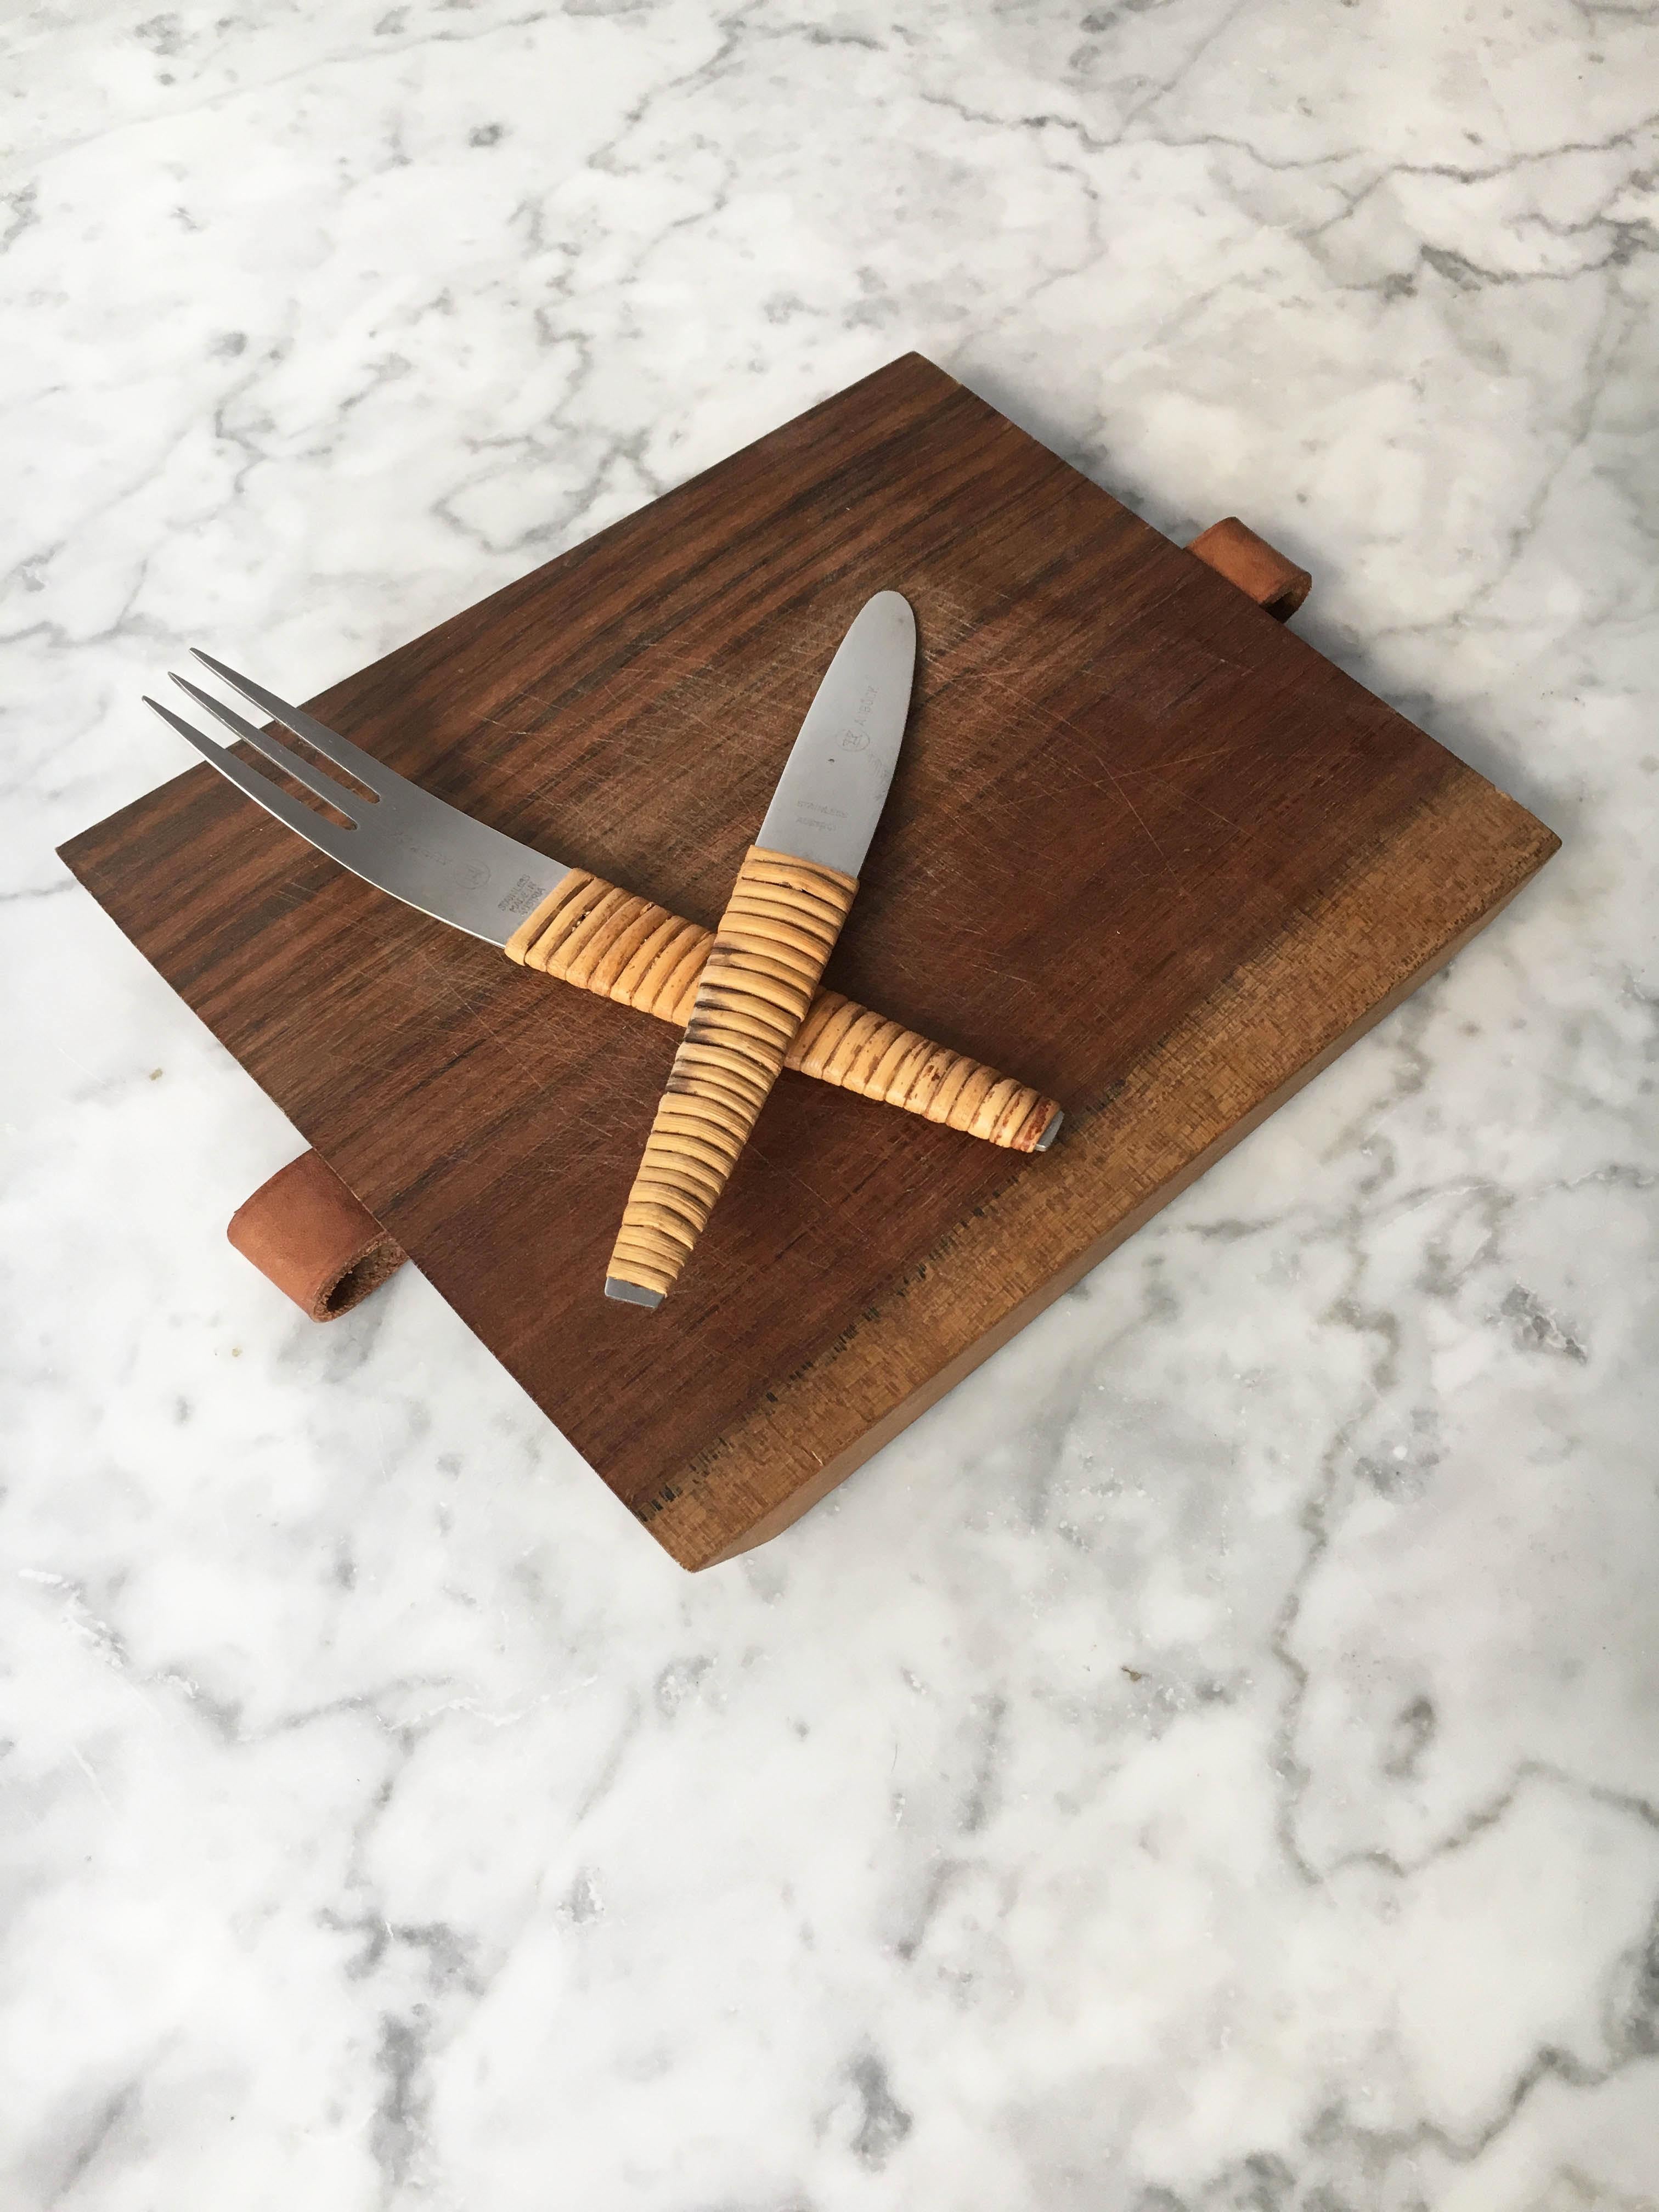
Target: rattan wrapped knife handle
(779,928)
(622,947)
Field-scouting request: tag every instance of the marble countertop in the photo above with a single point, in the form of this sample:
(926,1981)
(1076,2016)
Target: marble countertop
(1211,1761)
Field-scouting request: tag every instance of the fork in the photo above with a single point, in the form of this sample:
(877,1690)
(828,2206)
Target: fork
(568,923)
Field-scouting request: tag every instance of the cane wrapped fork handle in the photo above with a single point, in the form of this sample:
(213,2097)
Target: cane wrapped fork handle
(623,947)
(779,928)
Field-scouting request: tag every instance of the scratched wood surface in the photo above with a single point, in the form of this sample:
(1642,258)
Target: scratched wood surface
(1146,849)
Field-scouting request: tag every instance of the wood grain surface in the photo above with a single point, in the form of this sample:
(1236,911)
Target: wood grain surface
(1145,847)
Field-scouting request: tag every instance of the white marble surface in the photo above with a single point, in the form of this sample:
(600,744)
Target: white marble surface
(1211,1763)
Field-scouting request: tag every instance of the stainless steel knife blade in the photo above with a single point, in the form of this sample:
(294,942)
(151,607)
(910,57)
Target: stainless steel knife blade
(834,784)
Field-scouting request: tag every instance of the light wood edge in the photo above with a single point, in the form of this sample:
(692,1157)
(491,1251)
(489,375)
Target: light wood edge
(622,947)
(995,1273)
(780,927)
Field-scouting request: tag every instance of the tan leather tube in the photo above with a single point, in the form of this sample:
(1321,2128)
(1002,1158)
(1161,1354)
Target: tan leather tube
(1259,570)
(314,1240)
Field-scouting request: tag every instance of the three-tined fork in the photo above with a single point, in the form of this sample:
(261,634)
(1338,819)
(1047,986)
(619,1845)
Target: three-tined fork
(560,919)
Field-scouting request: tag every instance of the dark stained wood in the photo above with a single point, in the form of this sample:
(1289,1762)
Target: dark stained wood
(1146,849)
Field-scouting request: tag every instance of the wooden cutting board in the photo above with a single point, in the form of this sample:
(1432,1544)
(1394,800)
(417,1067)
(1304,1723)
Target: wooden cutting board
(1146,849)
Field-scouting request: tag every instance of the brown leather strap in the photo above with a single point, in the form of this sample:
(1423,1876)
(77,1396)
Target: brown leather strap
(314,1240)
(1259,569)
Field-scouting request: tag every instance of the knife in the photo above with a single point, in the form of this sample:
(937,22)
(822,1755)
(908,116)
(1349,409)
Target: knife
(781,924)
(563,922)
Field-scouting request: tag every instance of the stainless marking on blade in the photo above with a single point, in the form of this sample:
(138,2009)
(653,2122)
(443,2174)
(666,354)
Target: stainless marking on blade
(834,784)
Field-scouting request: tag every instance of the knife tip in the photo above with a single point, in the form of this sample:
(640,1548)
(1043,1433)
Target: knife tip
(631,1294)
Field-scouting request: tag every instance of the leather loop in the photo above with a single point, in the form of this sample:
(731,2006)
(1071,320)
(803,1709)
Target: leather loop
(305,1231)
(1259,570)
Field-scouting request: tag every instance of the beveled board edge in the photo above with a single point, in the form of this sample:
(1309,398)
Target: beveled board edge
(1466,853)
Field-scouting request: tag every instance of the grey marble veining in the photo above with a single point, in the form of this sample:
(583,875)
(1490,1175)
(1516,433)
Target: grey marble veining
(1212,1761)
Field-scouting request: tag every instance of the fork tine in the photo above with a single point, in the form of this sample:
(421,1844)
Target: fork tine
(327,836)
(380,779)
(349,803)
